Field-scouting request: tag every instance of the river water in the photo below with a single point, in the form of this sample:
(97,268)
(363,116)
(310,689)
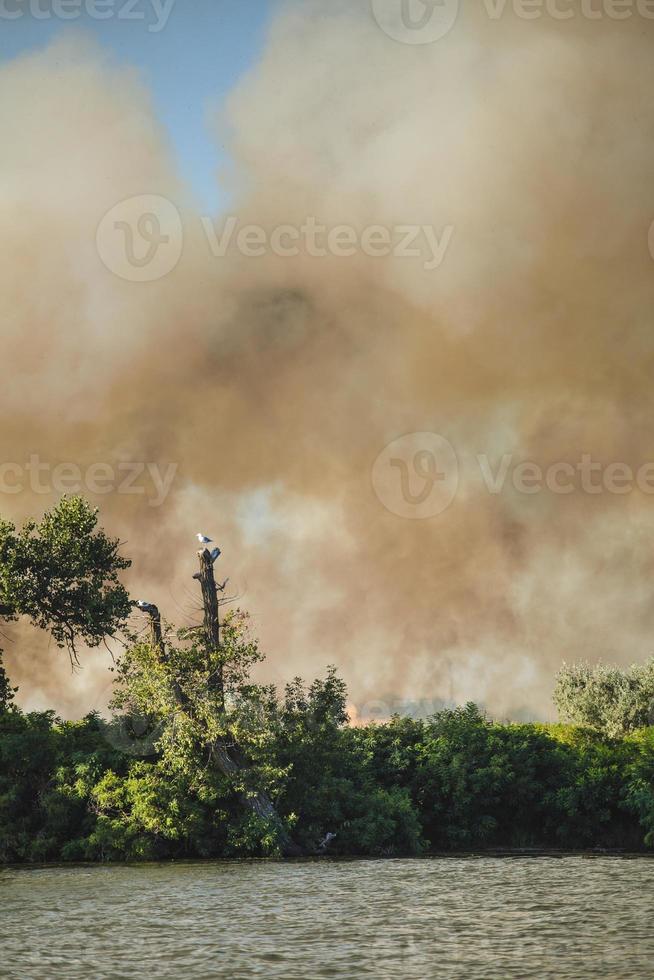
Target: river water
(468,917)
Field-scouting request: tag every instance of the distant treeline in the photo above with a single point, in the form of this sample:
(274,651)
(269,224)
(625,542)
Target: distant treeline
(88,791)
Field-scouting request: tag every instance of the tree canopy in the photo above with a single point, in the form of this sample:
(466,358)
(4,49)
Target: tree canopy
(62,573)
(609,699)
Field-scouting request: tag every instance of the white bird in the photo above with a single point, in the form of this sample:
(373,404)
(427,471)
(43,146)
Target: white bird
(203,539)
(215,555)
(142,604)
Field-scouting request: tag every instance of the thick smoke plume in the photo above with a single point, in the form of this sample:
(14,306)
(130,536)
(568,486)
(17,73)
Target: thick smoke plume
(275,382)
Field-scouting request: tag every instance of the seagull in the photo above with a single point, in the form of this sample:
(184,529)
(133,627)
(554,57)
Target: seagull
(203,539)
(142,604)
(215,555)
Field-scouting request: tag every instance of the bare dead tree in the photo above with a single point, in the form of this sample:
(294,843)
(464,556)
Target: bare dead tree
(211,623)
(156,634)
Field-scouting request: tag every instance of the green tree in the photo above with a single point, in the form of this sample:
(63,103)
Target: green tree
(608,699)
(639,794)
(62,573)
(7,692)
(226,727)
(330,785)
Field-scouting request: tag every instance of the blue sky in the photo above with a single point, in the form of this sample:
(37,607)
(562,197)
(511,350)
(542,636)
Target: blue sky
(190,64)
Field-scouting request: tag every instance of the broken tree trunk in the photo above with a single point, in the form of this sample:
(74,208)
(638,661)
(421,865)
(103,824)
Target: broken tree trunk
(231,762)
(155,630)
(156,638)
(229,757)
(211,620)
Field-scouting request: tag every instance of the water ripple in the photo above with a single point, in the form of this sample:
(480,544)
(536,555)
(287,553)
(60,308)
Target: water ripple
(475,918)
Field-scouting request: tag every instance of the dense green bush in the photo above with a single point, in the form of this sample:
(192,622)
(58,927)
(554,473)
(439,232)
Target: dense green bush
(608,699)
(455,781)
(479,784)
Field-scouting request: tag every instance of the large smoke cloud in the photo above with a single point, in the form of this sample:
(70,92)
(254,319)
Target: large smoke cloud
(275,382)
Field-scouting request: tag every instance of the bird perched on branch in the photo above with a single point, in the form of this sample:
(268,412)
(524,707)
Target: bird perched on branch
(203,539)
(145,606)
(215,555)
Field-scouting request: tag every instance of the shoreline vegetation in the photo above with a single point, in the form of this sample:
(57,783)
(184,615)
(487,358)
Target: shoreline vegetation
(499,854)
(454,784)
(200,762)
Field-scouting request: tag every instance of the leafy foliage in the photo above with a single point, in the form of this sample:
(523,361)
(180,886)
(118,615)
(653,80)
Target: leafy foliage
(331,786)
(7,692)
(455,781)
(607,699)
(63,574)
(639,791)
(178,693)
